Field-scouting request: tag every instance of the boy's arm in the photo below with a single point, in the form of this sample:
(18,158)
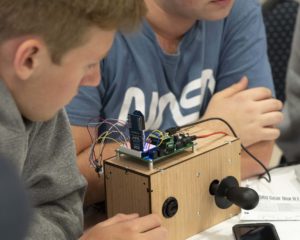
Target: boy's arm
(253,114)
(55,186)
(59,219)
(263,152)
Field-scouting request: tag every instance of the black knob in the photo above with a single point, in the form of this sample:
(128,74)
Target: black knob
(170,207)
(245,198)
(228,192)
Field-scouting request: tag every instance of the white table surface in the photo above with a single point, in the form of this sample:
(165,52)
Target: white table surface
(283,182)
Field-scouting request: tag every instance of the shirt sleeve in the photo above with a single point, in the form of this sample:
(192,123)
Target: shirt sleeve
(55,186)
(244,49)
(85,106)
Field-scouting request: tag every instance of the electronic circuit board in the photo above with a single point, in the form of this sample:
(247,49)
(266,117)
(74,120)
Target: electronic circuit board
(158,145)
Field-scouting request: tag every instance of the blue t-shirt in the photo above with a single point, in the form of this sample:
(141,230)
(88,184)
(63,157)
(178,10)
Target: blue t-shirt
(174,89)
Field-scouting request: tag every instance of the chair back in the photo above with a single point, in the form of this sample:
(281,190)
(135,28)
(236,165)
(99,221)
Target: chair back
(279,17)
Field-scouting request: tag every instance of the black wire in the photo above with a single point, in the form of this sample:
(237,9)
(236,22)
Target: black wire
(93,150)
(97,162)
(260,163)
(281,165)
(235,135)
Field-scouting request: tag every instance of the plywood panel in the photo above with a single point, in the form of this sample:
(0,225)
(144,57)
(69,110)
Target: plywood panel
(189,183)
(126,192)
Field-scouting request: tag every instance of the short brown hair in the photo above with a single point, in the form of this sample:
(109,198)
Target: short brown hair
(63,23)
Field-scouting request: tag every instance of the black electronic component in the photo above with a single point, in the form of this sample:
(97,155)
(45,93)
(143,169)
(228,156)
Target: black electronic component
(170,207)
(172,130)
(136,123)
(153,154)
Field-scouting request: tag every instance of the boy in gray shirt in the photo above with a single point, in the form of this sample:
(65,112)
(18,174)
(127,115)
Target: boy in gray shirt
(47,50)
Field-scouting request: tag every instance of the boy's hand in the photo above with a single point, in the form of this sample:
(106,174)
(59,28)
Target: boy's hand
(252,113)
(128,227)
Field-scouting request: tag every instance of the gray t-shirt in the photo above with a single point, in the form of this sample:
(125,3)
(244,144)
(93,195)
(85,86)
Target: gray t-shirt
(44,155)
(174,89)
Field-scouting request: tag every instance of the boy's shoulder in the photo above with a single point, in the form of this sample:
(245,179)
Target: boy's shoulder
(242,8)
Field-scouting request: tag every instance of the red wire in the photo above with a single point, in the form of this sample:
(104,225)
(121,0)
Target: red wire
(214,133)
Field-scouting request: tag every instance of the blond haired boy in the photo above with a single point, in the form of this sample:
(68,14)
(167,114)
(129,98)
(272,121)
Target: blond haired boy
(47,50)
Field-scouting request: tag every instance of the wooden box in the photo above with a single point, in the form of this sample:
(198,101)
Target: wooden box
(132,187)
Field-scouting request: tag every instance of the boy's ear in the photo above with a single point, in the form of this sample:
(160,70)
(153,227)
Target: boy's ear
(27,58)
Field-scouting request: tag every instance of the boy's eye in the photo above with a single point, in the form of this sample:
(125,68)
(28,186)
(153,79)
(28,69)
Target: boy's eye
(90,66)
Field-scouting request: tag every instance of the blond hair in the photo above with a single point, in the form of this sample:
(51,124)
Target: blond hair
(63,23)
